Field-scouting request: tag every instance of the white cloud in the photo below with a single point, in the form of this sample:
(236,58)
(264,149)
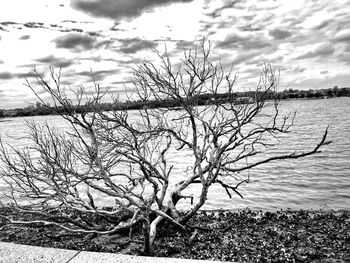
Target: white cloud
(305,38)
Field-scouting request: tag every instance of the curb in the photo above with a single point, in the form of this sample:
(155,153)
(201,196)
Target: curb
(15,253)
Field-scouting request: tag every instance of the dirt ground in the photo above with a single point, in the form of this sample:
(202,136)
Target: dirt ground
(242,236)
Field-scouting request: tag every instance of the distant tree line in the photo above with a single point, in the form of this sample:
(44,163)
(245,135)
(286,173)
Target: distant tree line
(203,99)
(319,93)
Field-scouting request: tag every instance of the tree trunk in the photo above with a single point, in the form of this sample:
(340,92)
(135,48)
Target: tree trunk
(146,237)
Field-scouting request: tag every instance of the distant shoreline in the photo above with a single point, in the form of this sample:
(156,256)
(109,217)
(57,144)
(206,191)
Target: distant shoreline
(203,99)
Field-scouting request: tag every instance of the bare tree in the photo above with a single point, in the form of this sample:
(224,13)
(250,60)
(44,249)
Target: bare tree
(127,156)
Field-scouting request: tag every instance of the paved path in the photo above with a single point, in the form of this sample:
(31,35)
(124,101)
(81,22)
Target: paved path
(14,253)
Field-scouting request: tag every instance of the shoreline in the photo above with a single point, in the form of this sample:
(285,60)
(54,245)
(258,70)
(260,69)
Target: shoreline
(132,105)
(246,235)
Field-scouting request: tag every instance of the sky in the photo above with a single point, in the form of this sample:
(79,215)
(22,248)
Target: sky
(308,41)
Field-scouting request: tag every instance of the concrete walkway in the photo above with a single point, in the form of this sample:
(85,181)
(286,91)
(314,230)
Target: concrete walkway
(14,253)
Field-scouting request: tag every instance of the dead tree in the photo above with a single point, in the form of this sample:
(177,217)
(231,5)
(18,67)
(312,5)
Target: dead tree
(126,156)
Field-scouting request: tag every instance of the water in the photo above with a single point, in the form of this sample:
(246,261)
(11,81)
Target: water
(320,181)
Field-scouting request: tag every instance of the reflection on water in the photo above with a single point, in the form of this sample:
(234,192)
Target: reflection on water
(315,182)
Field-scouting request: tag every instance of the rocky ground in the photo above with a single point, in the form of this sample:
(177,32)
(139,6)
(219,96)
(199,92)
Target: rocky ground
(242,236)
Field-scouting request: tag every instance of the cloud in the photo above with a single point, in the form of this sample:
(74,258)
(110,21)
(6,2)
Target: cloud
(56,62)
(25,37)
(133,45)
(322,51)
(326,81)
(7,23)
(34,24)
(297,70)
(322,25)
(347,49)
(343,36)
(24,75)
(324,72)
(98,75)
(6,75)
(246,45)
(228,5)
(248,57)
(117,9)
(344,58)
(183,44)
(251,27)
(76,42)
(279,34)
(230,40)
(256,44)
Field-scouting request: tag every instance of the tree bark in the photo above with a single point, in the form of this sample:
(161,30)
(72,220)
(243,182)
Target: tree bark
(146,237)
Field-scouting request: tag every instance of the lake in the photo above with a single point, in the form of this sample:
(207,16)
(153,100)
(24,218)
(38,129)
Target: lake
(320,181)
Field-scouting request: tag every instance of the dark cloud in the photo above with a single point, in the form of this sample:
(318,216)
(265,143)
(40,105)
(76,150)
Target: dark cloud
(126,81)
(56,62)
(52,27)
(22,75)
(6,23)
(248,57)
(230,4)
(183,44)
(97,75)
(342,37)
(279,34)
(344,58)
(256,44)
(321,51)
(25,37)
(347,49)
(230,40)
(34,25)
(1,62)
(244,43)
(25,75)
(322,25)
(324,72)
(117,9)
(76,41)
(115,27)
(205,26)
(342,21)
(70,21)
(251,27)
(133,45)
(6,75)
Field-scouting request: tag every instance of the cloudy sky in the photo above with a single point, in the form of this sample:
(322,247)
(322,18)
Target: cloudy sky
(307,40)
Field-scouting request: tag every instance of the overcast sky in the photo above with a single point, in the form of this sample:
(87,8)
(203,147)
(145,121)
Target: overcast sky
(307,40)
